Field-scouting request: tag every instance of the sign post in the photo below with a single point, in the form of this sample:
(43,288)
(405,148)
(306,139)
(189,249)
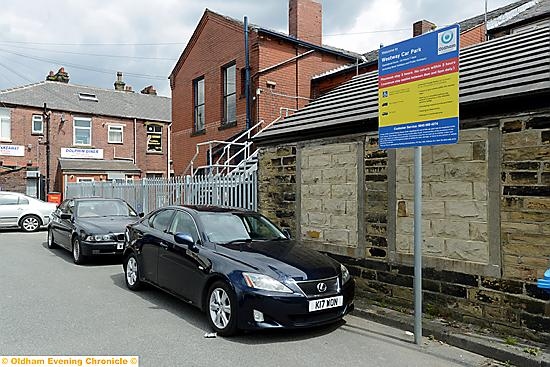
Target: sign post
(418,106)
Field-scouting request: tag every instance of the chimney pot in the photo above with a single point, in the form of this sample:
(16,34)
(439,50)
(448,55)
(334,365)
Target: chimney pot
(119,84)
(149,90)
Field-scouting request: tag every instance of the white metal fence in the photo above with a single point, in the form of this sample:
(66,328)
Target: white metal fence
(238,190)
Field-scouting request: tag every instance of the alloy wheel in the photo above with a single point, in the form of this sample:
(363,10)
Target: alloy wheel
(30,223)
(220,308)
(131,271)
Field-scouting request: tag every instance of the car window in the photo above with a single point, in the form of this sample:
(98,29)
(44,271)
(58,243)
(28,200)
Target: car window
(23,200)
(104,208)
(63,206)
(184,223)
(8,199)
(161,220)
(260,229)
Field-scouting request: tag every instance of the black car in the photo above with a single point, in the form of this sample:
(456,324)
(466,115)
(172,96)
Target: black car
(90,226)
(236,266)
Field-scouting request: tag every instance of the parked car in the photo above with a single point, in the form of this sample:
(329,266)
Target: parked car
(90,226)
(236,266)
(18,210)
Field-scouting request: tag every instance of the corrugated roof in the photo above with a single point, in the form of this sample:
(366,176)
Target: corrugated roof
(99,165)
(504,67)
(65,97)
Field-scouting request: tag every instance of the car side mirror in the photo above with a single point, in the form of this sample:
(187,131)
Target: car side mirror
(141,215)
(185,239)
(66,216)
(286,232)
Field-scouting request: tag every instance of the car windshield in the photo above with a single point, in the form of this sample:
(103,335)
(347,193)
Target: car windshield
(231,227)
(104,208)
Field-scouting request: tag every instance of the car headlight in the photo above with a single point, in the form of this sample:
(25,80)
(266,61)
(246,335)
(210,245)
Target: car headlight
(99,238)
(264,282)
(345,274)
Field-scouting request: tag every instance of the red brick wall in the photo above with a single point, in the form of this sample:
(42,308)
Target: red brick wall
(61,136)
(227,39)
(472,36)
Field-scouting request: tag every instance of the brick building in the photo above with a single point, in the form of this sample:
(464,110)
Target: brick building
(94,134)
(209,80)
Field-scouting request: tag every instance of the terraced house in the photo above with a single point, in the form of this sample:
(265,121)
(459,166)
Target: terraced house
(54,132)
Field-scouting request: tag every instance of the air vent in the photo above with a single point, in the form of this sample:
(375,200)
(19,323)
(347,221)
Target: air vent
(87,97)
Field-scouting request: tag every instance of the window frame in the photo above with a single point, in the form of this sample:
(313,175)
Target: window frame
(151,133)
(5,114)
(37,132)
(78,118)
(226,95)
(114,127)
(197,105)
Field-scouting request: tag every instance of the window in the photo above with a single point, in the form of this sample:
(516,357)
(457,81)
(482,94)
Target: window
(154,138)
(82,131)
(115,134)
(161,220)
(229,94)
(183,223)
(7,199)
(37,124)
(199,104)
(87,97)
(5,124)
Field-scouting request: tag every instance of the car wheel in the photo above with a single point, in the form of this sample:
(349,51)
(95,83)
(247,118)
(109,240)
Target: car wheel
(222,309)
(78,258)
(30,223)
(131,272)
(51,241)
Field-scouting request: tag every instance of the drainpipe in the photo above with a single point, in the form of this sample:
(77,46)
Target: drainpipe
(135,141)
(247,74)
(169,154)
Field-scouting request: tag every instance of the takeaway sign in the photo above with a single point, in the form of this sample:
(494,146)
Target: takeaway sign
(12,150)
(418,90)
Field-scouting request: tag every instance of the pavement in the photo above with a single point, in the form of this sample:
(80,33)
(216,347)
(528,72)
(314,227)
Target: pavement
(510,351)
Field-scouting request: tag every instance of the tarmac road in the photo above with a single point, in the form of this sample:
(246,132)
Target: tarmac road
(50,306)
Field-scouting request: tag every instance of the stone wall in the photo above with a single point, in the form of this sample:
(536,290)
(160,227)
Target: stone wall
(328,195)
(526,196)
(454,199)
(277,185)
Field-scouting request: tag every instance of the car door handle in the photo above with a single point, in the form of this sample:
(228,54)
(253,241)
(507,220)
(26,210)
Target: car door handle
(164,245)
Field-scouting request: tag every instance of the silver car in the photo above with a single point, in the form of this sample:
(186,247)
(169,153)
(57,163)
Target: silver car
(18,210)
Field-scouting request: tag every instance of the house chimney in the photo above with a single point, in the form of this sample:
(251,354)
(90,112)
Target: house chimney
(422,26)
(119,84)
(128,88)
(305,20)
(149,90)
(61,76)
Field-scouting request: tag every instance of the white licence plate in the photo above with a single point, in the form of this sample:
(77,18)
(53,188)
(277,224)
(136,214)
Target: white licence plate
(323,304)
(120,245)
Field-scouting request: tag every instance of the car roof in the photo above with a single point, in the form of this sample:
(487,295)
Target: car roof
(95,199)
(210,209)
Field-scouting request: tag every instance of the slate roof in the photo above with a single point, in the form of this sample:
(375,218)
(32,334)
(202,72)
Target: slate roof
(480,19)
(100,165)
(540,10)
(509,66)
(65,97)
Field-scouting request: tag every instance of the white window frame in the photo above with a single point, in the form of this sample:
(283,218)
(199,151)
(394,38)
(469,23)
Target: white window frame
(87,119)
(115,128)
(85,179)
(5,114)
(36,118)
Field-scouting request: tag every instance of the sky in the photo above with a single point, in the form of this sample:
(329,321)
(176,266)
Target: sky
(94,39)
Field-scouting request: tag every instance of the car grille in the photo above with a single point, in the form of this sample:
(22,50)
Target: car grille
(119,237)
(317,317)
(311,287)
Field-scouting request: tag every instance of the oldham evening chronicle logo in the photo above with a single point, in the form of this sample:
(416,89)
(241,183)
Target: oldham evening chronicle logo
(446,41)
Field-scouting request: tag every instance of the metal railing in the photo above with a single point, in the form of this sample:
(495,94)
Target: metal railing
(238,190)
(238,150)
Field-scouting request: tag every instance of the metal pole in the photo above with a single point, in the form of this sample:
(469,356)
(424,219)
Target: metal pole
(418,245)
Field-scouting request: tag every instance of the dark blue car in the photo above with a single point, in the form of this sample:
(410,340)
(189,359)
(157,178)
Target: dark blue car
(236,266)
